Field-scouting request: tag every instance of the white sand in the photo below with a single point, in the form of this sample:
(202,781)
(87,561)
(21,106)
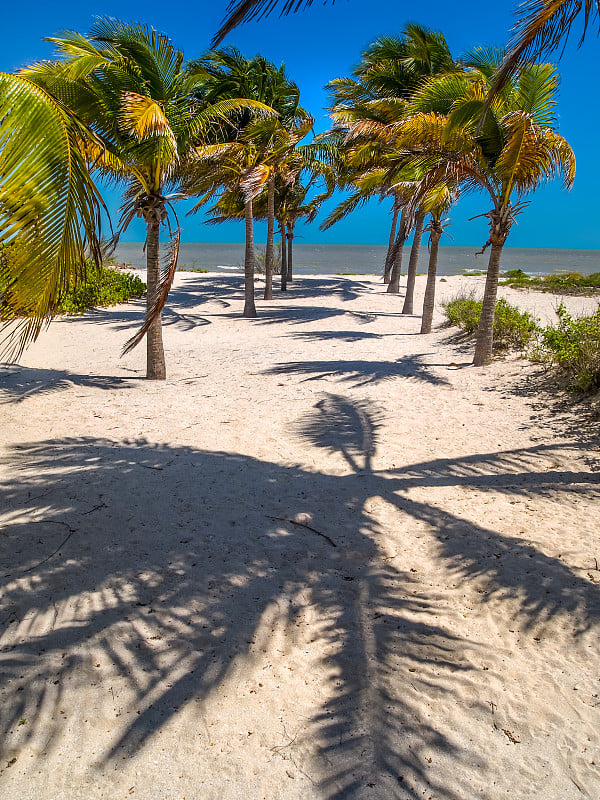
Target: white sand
(169,633)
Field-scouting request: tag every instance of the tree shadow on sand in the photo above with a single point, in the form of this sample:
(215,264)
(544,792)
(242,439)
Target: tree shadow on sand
(17,383)
(362,373)
(173,609)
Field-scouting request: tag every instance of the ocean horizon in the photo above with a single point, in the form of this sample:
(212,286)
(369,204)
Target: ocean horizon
(331,259)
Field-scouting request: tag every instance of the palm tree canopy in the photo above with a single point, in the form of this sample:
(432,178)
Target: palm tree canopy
(228,74)
(518,147)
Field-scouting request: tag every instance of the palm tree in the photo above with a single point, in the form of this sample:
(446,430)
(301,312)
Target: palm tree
(229,74)
(49,206)
(127,83)
(368,105)
(514,152)
(438,203)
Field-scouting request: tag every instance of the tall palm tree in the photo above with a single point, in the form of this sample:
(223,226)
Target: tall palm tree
(514,152)
(233,167)
(128,84)
(49,206)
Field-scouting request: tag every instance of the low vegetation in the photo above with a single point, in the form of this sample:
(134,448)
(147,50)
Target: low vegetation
(513,329)
(573,348)
(105,286)
(561,283)
(102,287)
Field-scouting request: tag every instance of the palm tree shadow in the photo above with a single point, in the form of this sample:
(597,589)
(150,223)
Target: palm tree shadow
(17,383)
(362,373)
(181,580)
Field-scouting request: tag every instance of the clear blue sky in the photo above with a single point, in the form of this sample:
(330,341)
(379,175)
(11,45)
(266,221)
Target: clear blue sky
(324,42)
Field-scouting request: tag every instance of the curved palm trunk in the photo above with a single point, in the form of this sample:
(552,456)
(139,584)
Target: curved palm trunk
(394,284)
(429,299)
(408,306)
(485,334)
(283,258)
(389,256)
(290,239)
(155,354)
(249,306)
(269,248)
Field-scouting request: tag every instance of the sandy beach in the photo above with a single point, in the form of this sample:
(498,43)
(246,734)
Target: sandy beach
(325,560)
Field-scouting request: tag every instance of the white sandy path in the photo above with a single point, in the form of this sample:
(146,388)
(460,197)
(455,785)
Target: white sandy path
(188,641)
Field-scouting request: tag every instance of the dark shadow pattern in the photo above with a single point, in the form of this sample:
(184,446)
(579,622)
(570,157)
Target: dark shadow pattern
(196,597)
(343,336)
(17,383)
(362,373)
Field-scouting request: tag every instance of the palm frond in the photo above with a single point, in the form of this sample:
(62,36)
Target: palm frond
(48,203)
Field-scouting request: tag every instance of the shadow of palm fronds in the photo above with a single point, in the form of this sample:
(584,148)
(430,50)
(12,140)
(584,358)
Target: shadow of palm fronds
(362,373)
(17,383)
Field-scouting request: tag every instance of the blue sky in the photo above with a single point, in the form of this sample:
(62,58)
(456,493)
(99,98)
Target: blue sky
(324,42)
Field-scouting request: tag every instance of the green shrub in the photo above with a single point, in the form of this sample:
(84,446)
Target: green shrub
(101,287)
(573,348)
(464,311)
(513,329)
(561,283)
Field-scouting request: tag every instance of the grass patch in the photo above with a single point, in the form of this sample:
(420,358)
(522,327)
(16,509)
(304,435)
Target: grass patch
(513,329)
(572,348)
(561,283)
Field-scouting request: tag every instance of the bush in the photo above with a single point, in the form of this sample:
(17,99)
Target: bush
(573,348)
(101,287)
(513,329)
(562,283)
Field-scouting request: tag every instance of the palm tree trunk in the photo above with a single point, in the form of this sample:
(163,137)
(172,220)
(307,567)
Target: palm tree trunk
(412,264)
(394,284)
(283,257)
(485,335)
(155,354)
(429,299)
(249,306)
(389,259)
(290,239)
(269,248)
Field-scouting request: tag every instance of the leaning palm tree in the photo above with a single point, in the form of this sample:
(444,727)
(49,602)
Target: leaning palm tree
(516,150)
(49,207)
(127,83)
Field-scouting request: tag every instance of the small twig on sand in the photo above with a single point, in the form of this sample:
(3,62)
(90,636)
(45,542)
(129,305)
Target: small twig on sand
(308,528)
(60,546)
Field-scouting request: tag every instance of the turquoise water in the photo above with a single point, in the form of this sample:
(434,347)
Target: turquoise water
(332,258)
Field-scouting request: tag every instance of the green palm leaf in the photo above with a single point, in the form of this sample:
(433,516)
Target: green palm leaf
(49,205)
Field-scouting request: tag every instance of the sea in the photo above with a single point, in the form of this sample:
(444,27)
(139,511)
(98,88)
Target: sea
(333,259)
